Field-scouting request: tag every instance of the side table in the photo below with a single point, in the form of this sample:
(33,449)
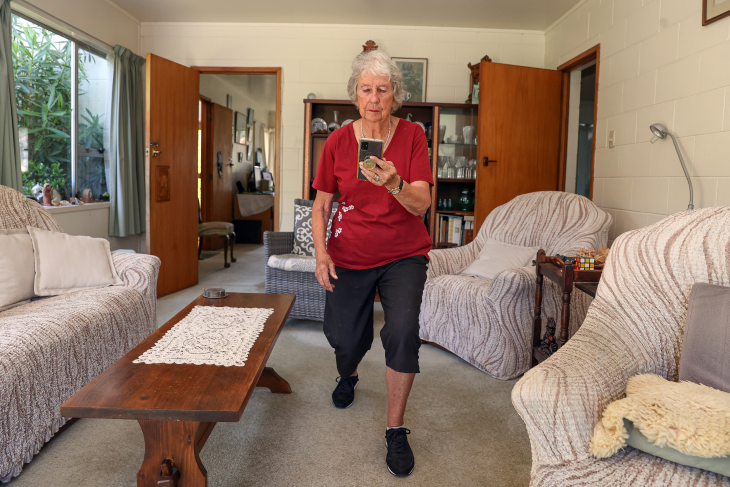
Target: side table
(565,277)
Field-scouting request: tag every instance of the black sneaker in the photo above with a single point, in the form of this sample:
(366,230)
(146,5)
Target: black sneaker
(344,394)
(400,456)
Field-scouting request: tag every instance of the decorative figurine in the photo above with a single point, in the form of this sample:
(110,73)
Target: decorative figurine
(87,196)
(47,195)
(369,46)
(475,76)
(549,343)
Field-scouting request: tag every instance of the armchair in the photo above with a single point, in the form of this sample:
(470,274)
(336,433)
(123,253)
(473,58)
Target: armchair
(489,323)
(635,325)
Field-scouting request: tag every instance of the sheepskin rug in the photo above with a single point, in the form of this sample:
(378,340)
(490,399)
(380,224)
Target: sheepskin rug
(691,418)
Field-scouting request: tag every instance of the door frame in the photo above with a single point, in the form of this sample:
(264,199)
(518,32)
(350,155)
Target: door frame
(206,193)
(594,53)
(277,143)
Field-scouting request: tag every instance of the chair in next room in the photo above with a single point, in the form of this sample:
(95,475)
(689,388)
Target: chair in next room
(217,229)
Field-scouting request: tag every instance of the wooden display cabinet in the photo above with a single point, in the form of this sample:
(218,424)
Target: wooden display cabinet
(420,112)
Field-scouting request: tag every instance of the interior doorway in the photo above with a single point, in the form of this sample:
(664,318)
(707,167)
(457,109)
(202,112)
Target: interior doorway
(240,107)
(578,124)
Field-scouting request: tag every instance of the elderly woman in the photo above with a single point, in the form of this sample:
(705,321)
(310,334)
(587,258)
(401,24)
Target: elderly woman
(378,240)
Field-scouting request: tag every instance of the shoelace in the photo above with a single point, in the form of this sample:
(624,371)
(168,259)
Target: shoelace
(346,383)
(399,441)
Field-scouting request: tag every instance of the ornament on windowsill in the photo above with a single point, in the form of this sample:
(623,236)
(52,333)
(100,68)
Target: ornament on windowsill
(47,195)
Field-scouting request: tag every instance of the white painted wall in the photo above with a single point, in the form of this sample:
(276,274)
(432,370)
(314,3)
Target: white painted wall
(92,220)
(317,58)
(658,64)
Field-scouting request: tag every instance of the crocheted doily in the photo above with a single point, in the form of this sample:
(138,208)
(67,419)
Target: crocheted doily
(209,335)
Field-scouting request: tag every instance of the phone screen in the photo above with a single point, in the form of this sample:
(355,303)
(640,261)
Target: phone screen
(368,147)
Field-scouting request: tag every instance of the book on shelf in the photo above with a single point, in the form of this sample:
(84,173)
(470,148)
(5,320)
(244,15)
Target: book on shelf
(451,229)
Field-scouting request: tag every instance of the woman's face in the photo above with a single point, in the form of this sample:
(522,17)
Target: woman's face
(374,97)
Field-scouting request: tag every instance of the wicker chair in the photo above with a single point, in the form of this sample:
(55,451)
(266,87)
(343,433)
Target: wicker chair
(634,326)
(489,323)
(309,304)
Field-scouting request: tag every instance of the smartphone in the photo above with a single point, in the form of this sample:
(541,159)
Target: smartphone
(368,147)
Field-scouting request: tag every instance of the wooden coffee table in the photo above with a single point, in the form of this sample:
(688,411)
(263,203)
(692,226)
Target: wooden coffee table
(177,406)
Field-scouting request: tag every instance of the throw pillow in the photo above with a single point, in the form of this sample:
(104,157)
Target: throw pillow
(705,355)
(637,440)
(303,240)
(497,256)
(66,264)
(17,268)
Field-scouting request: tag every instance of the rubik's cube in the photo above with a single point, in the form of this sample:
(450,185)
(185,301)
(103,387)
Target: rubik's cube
(586,263)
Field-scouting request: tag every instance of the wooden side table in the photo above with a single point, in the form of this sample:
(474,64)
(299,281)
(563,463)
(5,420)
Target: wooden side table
(565,277)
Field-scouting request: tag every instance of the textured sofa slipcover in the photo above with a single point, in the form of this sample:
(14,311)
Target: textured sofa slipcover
(488,323)
(634,326)
(52,347)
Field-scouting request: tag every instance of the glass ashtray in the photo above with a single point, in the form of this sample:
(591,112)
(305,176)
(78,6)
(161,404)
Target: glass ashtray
(215,293)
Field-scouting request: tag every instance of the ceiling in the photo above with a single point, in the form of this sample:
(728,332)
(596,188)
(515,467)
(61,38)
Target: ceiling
(492,14)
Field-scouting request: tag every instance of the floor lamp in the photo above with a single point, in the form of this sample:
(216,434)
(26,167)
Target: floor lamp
(660,131)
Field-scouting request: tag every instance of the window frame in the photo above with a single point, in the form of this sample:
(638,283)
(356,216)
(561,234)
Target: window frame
(76,44)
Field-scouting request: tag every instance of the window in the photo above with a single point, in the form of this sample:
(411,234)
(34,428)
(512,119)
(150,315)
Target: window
(60,88)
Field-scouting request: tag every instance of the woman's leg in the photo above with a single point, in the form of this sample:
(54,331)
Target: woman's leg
(399,387)
(401,290)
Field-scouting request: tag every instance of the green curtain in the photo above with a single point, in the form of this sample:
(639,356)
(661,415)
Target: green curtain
(10,174)
(126,174)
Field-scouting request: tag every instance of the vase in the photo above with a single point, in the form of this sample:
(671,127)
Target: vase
(334,125)
(466,200)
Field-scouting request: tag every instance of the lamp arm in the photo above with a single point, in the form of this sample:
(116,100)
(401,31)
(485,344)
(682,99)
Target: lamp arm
(691,205)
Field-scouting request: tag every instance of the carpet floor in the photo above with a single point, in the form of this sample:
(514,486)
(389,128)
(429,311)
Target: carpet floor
(465,431)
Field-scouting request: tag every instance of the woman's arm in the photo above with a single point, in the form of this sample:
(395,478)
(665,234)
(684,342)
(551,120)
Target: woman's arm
(321,211)
(415,197)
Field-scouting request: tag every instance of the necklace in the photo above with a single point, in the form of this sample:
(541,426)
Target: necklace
(362,134)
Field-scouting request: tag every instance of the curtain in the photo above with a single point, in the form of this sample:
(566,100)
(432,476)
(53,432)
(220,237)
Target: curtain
(126,173)
(10,174)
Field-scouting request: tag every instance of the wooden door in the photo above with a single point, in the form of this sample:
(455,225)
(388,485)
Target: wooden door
(172,172)
(220,175)
(519,134)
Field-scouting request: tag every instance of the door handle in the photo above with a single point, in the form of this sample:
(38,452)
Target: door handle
(486,161)
(155,151)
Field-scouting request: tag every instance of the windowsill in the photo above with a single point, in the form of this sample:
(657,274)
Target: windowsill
(85,207)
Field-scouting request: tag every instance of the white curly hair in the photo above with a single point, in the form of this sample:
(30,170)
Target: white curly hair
(380,64)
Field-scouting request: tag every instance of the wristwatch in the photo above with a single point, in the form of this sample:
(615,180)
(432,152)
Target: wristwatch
(397,190)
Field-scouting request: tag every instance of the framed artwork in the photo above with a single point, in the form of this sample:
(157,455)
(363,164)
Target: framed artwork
(415,74)
(229,101)
(713,10)
(250,115)
(240,132)
(250,141)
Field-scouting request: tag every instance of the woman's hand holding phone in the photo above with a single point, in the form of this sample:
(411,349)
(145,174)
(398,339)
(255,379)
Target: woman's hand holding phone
(386,173)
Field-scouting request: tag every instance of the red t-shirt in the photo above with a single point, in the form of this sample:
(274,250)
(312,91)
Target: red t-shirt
(371,228)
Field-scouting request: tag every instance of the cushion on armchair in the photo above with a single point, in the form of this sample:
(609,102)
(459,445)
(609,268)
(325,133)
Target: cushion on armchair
(706,348)
(497,256)
(293,262)
(680,421)
(303,240)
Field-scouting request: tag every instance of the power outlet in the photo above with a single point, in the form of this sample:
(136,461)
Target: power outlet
(611,138)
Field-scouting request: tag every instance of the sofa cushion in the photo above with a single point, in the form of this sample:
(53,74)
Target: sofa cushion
(293,262)
(497,256)
(66,263)
(17,268)
(706,349)
(303,240)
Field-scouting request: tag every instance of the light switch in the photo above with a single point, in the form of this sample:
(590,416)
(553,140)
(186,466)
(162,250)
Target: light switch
(611,138)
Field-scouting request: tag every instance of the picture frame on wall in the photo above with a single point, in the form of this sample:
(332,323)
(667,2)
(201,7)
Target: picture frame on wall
(241,129)
(713,10)
(229,102)
(251,140)
(250,115)
(415,76)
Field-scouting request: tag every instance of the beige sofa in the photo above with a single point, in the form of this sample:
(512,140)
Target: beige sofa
(488,323)
(634,326)
(51,347)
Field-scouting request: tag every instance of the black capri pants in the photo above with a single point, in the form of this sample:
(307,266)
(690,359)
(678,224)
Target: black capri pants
(348,313)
